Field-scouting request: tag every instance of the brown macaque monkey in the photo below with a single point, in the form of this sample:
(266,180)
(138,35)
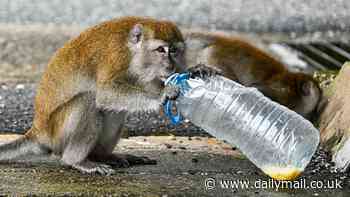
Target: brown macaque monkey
(241,61)
(92,83)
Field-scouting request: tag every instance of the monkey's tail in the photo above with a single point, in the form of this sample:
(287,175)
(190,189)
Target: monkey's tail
(24,145)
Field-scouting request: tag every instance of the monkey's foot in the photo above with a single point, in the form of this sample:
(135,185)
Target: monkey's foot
(89,167)
(124,160)
(203,71)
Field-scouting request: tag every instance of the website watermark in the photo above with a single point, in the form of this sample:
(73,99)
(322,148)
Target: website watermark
(240,184)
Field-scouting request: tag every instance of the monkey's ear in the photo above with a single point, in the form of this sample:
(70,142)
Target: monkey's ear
(136,34)
(306,87)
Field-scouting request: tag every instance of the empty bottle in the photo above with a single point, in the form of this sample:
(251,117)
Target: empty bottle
(277,140)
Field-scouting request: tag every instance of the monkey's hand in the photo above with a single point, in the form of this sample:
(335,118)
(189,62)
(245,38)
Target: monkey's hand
(170,92)
(203,71)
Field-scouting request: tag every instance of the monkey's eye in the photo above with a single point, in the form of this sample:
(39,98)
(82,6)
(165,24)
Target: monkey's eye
(160,49)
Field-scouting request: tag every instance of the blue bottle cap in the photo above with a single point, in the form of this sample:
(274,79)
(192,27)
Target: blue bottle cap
(179,80)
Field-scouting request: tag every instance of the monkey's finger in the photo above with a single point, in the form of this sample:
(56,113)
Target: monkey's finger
(173,96)
(171,92)
(216,71)
(209,71)
(105,170)
(203,71)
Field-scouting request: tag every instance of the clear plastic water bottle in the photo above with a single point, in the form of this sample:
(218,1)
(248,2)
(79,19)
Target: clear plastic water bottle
(277,140)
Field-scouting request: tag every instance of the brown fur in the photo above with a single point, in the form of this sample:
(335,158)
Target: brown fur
(98,53)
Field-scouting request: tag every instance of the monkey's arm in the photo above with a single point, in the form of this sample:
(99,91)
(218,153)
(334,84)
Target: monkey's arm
(124,97)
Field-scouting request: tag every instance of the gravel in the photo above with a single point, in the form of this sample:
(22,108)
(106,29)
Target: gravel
(16,115)
(16,107)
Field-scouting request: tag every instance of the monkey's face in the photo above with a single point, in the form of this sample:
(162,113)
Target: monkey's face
(153,60)
(161,59)
(309,94)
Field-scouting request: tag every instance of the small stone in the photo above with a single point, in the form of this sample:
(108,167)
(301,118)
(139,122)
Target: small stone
(192,172)
(168,145)
(20,86)
(239,172)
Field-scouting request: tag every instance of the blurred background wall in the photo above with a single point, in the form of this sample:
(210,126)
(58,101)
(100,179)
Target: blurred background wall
(243,15)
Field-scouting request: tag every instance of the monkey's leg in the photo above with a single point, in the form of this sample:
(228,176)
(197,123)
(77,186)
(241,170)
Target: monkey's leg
(109,137)
(80,135)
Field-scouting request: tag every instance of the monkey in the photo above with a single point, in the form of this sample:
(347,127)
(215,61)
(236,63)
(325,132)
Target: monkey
(92,83)
(241,61)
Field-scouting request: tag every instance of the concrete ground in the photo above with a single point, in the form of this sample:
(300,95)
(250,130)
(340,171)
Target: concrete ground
(197,166)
